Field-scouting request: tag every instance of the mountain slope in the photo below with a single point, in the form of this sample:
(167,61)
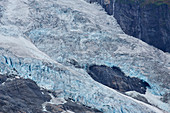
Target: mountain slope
(75,29)
(23,95)
(72,85)
(147,20)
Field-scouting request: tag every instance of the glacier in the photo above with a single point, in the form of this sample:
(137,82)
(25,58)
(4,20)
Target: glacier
(39,37)
(71,86)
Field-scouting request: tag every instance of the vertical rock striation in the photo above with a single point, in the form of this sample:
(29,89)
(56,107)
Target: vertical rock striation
(149,21)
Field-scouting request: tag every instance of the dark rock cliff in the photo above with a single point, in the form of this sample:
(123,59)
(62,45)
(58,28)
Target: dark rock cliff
(21,95)
(106,4)
(149,22)
(114,78)
(18,95)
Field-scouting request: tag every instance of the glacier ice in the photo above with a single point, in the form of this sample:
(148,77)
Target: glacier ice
(39,37)
(54,78)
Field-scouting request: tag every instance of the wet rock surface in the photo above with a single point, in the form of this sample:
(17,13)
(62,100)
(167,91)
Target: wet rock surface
(114,78)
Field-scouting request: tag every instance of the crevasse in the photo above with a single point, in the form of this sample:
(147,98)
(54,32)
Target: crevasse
(56,31)
(84,90)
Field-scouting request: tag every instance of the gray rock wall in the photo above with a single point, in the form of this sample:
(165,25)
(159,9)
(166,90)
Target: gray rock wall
(106,4)
(148,22)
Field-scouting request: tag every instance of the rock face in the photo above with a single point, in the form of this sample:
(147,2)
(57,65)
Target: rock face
(148,22)
(19,95)
(39,38)
(116,79)
(106,4)
(70,106)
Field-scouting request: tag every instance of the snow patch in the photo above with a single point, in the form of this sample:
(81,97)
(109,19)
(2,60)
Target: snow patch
(22,48)
(54,100)
(68,111)
(153,99)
